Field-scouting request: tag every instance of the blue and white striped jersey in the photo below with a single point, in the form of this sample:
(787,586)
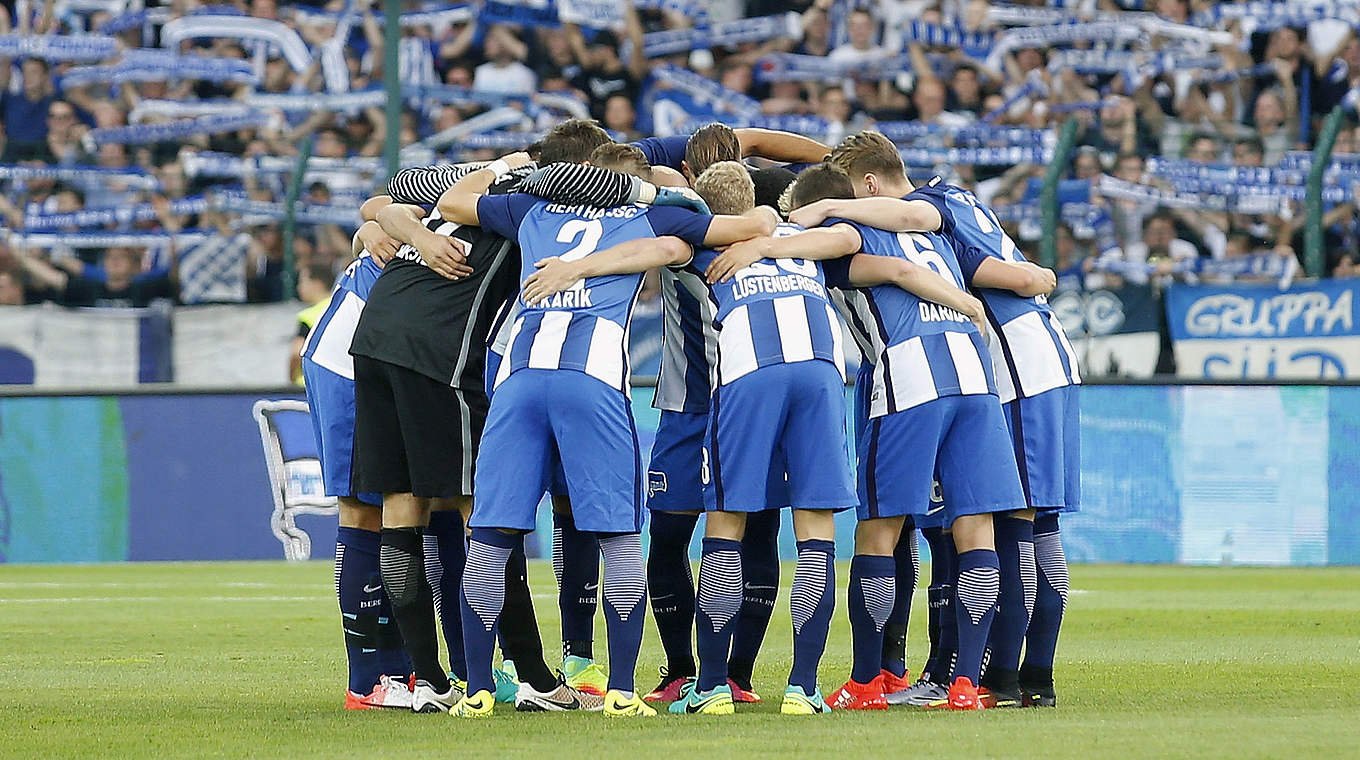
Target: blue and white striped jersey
(585,327)
(921,350)
(328,342)
(775,311)
(689,343)
(1030,350)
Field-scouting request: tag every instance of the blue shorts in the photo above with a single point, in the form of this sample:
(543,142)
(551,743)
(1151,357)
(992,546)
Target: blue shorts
(1046,433)
(675,474)
(557,485)
(961,440)
(792,414)
(331,400)
(864,383)
(541,420)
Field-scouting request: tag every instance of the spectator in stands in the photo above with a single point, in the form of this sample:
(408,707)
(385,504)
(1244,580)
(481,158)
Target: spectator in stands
(1248,152)
(862,46)
(1347,266)
(25,111)
(965,91)
(620,117)
(314,289)
(816,31)
(929,100)
(1204,148)
(504,72)
(602,73)
(1086,164)
(119,287)
(1159,246)
(1276,123)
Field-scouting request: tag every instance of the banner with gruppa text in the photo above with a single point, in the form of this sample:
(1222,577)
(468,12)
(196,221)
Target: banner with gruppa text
(1305,332)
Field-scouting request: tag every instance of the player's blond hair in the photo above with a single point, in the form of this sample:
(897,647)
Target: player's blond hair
(727,188)
(868,152)
(620,157)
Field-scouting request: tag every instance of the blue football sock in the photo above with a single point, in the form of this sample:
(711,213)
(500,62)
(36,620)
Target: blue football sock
(976,590)
(871,595)
(373,644)
(1051,598)
(760,574)
(719,601)
(624,593)
(907,561)
(943,629)
(445,555)
(811,603)
(671,585)
(576,560)
(1015,554)
(483,598)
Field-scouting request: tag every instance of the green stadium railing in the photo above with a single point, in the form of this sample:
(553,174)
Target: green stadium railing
(1048,196)
(1312,232)
(289,220)
(392,85)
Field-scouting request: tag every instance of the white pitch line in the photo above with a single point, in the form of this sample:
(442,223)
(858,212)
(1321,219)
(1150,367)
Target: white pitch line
(141,584)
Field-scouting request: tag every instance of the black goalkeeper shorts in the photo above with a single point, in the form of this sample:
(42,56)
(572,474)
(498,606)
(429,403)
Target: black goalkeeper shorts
(413,434)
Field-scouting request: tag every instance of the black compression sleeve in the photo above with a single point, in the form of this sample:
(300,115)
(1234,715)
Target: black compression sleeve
(578,183)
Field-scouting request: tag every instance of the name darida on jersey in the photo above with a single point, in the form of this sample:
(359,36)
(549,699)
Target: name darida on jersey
(933,312)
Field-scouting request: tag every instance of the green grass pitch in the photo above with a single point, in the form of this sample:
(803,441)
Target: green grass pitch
(245,660)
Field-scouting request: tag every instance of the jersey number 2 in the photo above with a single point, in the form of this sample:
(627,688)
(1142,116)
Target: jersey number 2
(589,231)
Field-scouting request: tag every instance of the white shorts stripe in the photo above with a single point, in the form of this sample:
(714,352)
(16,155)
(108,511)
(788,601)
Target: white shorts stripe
(1005,386)
(972,377)
(1032,348)
(837,338)
(795,335)
(1066,346)
(504,370)
(332,345)
(605,360)
(546,352)
(738,354)
(912,381)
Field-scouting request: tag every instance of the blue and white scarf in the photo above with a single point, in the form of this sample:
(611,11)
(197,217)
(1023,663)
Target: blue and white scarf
(58,48)
(725,34)
(174,131)
(160,66)
(239,27)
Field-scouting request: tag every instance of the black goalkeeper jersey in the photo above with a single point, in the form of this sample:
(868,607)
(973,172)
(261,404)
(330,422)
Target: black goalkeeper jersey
(418,319)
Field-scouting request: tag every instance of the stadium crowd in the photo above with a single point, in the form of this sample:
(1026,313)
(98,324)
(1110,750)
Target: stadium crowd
(177,125)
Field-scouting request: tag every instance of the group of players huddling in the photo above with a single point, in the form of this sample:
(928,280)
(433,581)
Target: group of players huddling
(477,347)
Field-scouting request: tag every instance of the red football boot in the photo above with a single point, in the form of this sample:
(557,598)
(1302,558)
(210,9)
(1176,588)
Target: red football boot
(859,696)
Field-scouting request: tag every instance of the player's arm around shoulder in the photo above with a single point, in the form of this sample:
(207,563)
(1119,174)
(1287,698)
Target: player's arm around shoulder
(725,229)
(817,244)
(891,214)
(779,145)
(1023,278)
(868,270)
(440,252)
(459,202)
(555,275)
